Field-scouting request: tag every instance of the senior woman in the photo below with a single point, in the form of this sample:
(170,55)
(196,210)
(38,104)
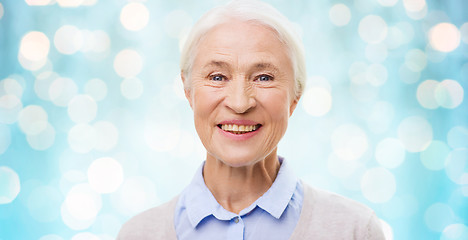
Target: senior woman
(243,71)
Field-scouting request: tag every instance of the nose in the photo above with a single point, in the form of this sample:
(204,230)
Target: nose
(240,96)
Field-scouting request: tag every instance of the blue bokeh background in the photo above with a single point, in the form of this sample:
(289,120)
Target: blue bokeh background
(94,127)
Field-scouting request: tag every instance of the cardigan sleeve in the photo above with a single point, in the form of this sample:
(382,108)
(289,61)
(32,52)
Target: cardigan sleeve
(374,229)
(326,215)
(153,224)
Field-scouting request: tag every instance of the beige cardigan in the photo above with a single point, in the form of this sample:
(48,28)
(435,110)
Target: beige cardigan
(324,215)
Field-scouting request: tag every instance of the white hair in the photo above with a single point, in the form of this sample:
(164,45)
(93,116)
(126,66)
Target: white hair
(248,10)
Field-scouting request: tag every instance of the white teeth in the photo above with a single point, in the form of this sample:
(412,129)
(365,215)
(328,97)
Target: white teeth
(238,129)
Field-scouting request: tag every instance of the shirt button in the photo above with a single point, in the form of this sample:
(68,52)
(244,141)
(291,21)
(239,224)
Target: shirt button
(236,220)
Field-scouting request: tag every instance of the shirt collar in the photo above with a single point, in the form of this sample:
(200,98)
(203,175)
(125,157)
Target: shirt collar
(277,198)
(200,202)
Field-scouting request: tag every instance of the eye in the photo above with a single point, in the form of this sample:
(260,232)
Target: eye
(217,77)
(264,78)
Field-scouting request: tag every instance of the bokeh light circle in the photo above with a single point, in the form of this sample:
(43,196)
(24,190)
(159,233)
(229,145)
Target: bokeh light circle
(390,153)
(82,109)
(96,88)
(82,202)
(68,39)
(85,236)
(317,101)
(82,138)
(42,140)
(101,41)
(69,3)
(38,2)
(42,84)
(438,215)
(457,137)
(11,86)
(9,185)
(31,65)
(464,32)
(339,14)
(32,119)
(72,222)
(62,90)
(455,231)
(456,166)
(96,41)
(5,138)
(376,53)
(365,93)
(109,223)
(373,29)
(51,237)
(415,60)
(89,2)
(128,63)
(88,40)
(105,175)
(378,185)
(107,135)
(387,3)
(1,11)
(399,34)
(444,37)
(349,142)
(134,16)
(414,5)
(415,133)
(34,46)
(376,74)
(131,88)
(71,178)
(357,72)
(434,156)
(339,167)
(426,94)
(449,93)
(407,76)
(135,195)
(10,108)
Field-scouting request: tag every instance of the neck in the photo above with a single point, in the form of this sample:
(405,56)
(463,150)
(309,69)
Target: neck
(236,188)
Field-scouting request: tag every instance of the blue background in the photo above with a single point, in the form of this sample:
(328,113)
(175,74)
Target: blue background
(383,120)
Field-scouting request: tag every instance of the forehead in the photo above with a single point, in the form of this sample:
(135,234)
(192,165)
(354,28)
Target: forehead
(241,40)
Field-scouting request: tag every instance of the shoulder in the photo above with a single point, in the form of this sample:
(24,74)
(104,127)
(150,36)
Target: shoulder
(328,215)
(334,204)
(154,223)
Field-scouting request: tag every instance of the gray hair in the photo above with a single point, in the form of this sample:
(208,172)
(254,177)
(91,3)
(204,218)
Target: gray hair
(248,10)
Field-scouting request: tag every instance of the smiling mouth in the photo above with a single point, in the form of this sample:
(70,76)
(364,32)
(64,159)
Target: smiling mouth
(239,129)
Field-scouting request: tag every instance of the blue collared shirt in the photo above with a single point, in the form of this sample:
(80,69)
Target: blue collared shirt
(272,216)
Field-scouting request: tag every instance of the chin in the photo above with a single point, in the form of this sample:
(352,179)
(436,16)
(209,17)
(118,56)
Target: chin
(240,160)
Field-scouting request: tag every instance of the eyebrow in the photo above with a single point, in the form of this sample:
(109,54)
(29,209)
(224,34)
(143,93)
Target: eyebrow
(256,66)
(215,63)
(265,65)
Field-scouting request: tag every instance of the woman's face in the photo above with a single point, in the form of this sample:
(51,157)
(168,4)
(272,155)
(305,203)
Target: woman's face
(241,92)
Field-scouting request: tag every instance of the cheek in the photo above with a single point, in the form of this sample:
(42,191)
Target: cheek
(277,104)
(204,101)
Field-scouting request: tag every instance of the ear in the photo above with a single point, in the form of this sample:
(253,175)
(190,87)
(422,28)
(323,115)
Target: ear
(188,93)
(293,105)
